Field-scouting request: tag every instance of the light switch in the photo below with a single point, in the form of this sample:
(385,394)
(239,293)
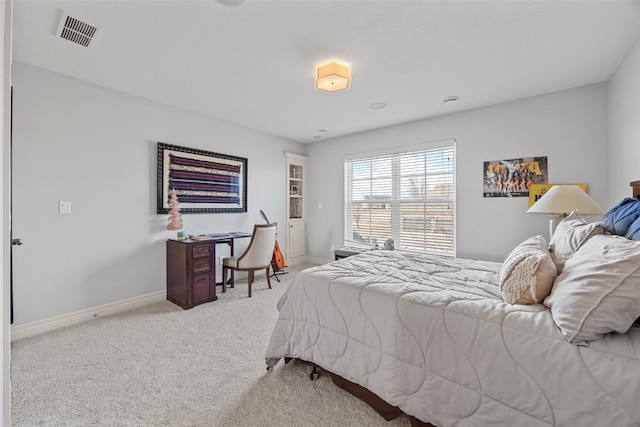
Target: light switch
(64,207)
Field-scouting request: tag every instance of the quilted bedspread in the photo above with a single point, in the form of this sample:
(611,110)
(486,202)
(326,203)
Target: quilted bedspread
(432,336)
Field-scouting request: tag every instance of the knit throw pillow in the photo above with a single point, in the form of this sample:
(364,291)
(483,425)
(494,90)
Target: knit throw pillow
(527,275)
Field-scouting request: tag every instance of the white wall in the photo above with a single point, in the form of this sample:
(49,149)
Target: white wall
(624,126)
(96,148)
(569,127)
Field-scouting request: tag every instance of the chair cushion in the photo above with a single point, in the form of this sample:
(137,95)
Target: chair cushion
(230,262)
(258,253)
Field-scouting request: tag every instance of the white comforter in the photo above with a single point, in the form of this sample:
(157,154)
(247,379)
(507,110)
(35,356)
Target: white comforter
(432,336)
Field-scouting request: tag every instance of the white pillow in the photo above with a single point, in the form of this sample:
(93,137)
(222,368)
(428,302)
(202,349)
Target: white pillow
(572,232)
(526,276)
(598,290)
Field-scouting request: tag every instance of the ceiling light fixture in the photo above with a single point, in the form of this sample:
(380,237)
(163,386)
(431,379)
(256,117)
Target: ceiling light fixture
(451,100)
(321,133)
(333,77)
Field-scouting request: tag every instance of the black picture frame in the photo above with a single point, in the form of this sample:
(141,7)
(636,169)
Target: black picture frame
(514,177)
(204,181)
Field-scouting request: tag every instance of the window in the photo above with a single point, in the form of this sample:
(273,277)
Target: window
(406,196)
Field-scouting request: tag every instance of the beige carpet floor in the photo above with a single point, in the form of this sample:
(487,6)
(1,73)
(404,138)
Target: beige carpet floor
(163,366)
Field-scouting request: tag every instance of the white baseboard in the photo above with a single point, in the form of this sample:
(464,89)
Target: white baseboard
(295,261)
(317,261)
(45,325)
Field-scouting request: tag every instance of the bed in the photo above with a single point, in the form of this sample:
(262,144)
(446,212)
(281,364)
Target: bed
(546,338)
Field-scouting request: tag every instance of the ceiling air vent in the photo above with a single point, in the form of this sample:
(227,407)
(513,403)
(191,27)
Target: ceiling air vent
(77,31)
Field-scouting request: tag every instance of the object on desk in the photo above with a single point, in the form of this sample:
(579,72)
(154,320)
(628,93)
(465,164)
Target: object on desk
(175,218)
(201,237)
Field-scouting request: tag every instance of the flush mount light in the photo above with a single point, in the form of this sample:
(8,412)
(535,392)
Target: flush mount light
(333,77)
(451,100)
(377,105)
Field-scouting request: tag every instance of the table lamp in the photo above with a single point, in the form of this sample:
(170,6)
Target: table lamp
(561,200)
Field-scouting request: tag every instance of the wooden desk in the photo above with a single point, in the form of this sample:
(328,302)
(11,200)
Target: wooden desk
(191,268)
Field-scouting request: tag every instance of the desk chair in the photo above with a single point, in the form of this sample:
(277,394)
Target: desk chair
(257,256)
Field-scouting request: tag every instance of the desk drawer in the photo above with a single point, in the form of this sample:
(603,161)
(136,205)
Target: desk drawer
(201,251)
(201,265)
(202,289)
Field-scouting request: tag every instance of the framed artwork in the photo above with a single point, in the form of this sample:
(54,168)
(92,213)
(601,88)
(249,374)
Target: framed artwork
(204,181)
(513,177)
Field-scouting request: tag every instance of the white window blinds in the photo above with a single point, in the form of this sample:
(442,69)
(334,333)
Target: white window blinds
(406,196)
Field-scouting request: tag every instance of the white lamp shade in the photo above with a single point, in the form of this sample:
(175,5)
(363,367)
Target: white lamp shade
(563,199)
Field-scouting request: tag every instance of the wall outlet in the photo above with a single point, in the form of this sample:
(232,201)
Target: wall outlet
(64,207)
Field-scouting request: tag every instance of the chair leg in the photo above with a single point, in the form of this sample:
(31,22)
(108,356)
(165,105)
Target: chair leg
(250,279)
(225,270)
(268,279)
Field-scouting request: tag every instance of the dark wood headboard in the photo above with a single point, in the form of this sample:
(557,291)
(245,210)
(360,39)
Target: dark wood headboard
(636,188)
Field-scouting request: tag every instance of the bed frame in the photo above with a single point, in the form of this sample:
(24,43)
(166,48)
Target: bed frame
(387,411)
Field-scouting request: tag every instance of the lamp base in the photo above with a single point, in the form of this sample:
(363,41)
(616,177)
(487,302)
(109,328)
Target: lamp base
(553,223)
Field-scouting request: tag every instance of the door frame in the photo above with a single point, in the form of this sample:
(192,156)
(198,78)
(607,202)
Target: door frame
(6,16)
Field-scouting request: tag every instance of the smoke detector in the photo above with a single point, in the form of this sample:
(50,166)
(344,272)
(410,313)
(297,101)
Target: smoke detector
(77,31)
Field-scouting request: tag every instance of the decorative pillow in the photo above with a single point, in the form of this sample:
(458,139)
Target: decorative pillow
(622,217)
(526,276)
(598,290)
(572,232)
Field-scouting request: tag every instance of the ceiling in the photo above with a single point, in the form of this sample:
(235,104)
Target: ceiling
(253,64)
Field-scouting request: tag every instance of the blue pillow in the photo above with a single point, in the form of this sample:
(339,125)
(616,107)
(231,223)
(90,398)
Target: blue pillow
(623,219)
